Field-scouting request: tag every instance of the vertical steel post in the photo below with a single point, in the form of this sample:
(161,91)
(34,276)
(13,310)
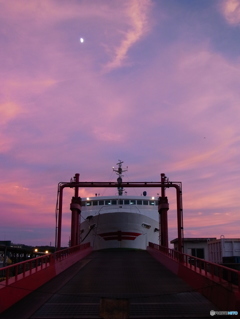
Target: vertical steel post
(78,215)
(75,207)
(163,208)
(179,218)
(59,233)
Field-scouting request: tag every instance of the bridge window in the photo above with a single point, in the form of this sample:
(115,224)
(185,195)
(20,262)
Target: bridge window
(119,202)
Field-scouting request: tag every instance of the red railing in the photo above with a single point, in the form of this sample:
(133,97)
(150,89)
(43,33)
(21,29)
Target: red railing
(211,270)
(63,254)
(13,273)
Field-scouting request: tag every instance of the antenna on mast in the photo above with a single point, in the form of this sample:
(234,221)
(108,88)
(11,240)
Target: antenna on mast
(119,172)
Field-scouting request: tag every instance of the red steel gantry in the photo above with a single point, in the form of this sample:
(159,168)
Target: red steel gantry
(163,207)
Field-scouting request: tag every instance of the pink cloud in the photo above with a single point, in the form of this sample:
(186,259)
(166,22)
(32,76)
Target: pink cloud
(139,24)
(8,111)
(231,11)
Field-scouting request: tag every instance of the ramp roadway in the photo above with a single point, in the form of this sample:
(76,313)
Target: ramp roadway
(151,290)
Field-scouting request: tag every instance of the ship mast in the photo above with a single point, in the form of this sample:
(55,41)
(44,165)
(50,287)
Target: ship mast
(119,172)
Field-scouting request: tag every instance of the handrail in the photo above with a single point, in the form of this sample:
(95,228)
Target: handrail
(216,272)
(12,273)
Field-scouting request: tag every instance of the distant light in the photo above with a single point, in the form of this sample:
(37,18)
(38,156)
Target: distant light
(46,252)
(87,198)
(153,197)
(36,250)
(81,40)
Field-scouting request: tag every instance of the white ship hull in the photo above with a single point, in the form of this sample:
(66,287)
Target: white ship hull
(118,225)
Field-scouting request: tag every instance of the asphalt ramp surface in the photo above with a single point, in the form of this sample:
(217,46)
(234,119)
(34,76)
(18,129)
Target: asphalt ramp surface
(114,284)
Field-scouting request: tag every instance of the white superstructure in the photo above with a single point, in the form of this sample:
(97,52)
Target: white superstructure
(120,221)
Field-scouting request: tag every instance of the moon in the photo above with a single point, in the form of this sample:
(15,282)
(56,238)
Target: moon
(81,40)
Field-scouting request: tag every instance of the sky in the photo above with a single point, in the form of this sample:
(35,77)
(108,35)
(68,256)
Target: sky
(155,83)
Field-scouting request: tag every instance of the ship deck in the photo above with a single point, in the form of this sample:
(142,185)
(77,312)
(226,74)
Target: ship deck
(133,277)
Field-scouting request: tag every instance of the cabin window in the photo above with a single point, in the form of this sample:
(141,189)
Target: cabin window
(139,202)
(145,202)
(94,202)
(126,201)
(114,202)
(197,252)
(152,202)
(88,203)
(101,202)
(120,202)
(107,202)
(132,202)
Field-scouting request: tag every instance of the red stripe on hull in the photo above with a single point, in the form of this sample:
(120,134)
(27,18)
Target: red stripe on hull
(119,235)
(122,233)
(116,238)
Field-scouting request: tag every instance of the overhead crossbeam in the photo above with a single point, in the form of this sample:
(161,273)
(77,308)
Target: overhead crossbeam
(115,184)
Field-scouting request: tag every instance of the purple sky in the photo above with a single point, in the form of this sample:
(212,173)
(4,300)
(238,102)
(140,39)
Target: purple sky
(155,84)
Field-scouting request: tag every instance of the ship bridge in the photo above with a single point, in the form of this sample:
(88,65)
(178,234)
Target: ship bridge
(80,283)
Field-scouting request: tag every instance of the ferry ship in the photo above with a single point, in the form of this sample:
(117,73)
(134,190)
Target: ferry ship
(121,221)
